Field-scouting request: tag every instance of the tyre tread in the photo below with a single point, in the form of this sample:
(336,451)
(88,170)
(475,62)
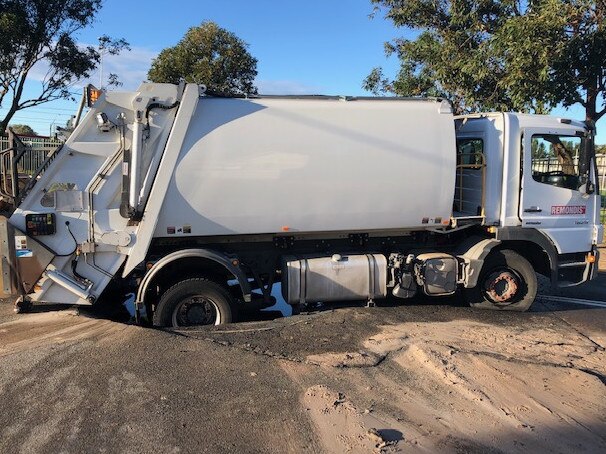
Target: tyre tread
(163,313)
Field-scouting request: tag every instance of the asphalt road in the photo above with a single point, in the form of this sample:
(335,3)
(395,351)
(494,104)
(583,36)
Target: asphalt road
(74,383)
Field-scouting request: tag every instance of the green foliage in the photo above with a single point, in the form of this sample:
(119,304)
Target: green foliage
(499,54)
(538,149)
(208,55)
(43,33)
(23,130)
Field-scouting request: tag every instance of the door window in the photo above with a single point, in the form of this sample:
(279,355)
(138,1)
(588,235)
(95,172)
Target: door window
(558,160)
(469,151)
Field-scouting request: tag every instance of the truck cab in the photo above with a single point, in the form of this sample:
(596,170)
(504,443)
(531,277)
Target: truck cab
(533,179)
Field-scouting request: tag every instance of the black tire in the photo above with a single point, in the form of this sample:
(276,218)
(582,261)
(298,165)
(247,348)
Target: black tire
(194,302)
(507,282)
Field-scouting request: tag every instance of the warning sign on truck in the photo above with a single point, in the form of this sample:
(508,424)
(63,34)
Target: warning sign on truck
(568,209)
(21,249)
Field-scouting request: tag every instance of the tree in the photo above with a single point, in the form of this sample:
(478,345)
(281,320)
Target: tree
(23,130)
(500,54)
(208,55)
(42,33)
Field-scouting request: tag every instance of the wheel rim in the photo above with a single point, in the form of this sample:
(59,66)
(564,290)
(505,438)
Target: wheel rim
(196,310)
(503,286)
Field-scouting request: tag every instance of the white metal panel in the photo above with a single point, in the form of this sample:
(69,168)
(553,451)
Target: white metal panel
(490,129)
(256,166)
(91,156)
(157,194)
(510,198)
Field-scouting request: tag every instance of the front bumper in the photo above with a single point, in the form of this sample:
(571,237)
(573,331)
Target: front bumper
(575,269)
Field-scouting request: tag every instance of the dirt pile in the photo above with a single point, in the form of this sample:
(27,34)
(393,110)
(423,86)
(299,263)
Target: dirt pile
(463,385)
(343,427)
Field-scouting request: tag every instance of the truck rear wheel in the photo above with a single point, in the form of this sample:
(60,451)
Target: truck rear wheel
(194,302)
(507,282)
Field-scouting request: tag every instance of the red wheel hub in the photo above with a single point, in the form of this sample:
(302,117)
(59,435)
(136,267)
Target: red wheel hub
(501,286)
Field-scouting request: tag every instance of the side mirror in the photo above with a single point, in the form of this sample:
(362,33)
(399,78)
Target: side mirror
(587,187)
(589,157)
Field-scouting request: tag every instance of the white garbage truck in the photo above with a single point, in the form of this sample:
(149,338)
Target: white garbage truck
(200,204)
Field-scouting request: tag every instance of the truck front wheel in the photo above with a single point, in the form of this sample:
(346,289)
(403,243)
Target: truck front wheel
(194,302)
(507,282)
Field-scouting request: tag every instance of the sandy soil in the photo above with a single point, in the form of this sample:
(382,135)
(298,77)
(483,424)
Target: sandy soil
(36,330)
(461,386)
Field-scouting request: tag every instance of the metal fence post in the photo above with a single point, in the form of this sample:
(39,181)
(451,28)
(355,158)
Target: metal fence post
(602,160)
(13,165)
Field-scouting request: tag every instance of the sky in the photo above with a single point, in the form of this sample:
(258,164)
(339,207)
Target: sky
(311,47)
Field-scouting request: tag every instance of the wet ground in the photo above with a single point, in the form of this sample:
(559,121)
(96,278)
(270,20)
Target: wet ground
(404,378)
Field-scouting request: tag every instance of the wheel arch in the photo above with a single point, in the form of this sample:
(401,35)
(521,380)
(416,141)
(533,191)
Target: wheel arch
(532,252)
(206,262)
(532,245)
(529,243)
(473,251)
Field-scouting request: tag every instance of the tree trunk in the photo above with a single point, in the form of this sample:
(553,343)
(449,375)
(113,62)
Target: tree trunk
(8,117)
(4,123)
(15,102)
(565,158)
(591,90)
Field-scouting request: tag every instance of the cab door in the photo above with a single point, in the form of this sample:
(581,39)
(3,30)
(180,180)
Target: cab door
(553,197)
